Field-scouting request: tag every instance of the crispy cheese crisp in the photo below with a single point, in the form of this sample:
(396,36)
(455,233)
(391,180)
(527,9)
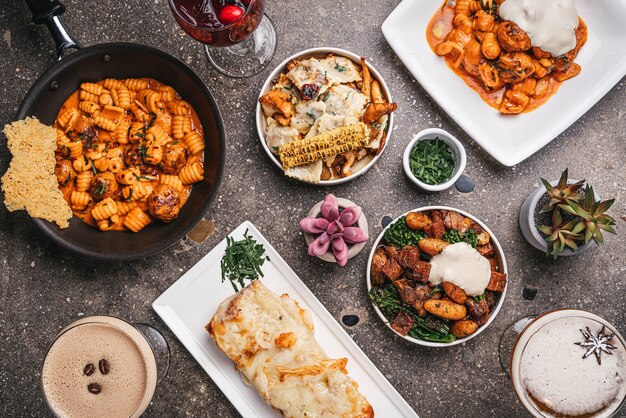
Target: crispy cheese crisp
(29,183)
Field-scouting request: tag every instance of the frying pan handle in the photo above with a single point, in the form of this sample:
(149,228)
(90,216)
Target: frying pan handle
(47,12)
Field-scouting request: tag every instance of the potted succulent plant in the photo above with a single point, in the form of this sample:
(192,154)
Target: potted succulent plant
(335,230)
(565,217)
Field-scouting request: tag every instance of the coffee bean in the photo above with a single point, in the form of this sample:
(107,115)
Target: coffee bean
(104,366)
(94,388)
(89,369)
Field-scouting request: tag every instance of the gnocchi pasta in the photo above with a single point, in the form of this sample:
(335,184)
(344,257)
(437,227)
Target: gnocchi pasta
(128,153)
(495,56)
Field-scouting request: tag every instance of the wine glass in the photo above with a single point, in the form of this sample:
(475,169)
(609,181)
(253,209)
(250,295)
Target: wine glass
(239,39)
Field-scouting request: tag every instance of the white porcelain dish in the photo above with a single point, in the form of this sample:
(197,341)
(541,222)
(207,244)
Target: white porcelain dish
(512,139)
(261,124)
(457,149)
(499,255)
(190,303)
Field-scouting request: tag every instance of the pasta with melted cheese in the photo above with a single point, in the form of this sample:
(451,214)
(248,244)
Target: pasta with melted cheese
(495,56)
(118,164)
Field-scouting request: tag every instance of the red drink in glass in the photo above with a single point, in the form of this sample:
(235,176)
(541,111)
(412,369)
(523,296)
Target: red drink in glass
(218,23)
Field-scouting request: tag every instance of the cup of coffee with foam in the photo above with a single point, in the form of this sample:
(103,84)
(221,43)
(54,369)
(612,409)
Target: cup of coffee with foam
(570,363)
(103,366)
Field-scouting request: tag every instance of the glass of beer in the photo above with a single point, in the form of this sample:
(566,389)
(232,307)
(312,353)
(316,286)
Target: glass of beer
(569,363)
(102,366)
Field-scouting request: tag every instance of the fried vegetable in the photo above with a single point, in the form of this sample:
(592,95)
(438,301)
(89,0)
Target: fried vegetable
(454,292)
(464,328)
(399,234)
(392,269)
(402,323)
(483,238)
(378,261)
(418,221)
(485,250)
(497,282)
(377,96)
(375,111)
(432,246)
(367,79)
(453,220)
(327,144)
(478,309)
(435,230)
(445,309)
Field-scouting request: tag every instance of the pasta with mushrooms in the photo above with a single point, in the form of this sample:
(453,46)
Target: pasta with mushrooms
(128,153)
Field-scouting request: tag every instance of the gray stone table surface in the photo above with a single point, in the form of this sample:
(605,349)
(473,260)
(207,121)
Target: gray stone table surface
(43,287)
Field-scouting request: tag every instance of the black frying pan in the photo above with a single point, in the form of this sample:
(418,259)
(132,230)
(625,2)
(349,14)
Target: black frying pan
(123,60)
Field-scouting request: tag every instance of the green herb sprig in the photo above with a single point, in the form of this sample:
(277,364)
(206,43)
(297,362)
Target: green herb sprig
(399,234)
(431,161)
(242,261)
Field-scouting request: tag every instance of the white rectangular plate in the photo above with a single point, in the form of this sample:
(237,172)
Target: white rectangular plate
(512,139)
(190,303)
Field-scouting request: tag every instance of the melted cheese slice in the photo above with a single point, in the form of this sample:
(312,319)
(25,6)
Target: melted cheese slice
(271,339)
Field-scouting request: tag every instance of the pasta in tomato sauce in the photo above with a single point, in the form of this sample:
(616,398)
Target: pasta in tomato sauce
(495,56)
(128,153)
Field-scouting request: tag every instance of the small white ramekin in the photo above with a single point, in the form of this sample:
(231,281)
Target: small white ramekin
(456,148)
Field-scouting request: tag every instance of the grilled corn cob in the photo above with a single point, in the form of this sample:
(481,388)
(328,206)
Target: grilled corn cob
(327,144)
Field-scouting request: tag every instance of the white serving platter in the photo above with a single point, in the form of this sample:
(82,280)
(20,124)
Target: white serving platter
(512,139)
(190,303)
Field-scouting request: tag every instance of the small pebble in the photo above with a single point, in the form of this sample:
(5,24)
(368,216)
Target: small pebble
(530,292)
(386,221)
(465,184)
(350,320)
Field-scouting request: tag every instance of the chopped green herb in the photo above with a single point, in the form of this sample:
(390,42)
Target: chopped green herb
(431,161)
(100,189)
(242,261)
(130,194)
(399,234)
(480,297)
(453,236)
(340,68)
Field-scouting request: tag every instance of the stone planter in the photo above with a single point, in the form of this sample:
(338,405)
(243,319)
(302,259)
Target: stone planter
(527,222)
(353,249)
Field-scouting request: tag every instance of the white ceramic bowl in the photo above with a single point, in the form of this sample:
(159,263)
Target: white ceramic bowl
(260,118)
(501,261)
(456,148)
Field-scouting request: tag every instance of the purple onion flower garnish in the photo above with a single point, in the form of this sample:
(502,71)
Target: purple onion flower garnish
(334,230)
